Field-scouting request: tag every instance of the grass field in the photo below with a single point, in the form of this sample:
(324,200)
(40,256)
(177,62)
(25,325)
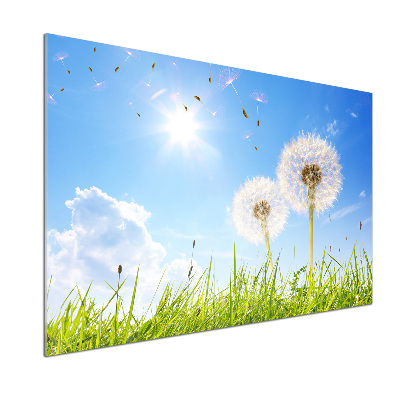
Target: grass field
(198,305)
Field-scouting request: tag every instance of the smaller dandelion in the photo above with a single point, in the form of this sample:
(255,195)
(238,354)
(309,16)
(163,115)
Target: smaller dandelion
(259,212)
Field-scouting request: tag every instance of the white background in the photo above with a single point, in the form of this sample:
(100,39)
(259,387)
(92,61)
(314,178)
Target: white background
(350,354)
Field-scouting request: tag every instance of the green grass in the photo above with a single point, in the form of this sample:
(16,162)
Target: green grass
(198,305)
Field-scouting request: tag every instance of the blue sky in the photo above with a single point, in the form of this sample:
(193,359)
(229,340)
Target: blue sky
(177,190)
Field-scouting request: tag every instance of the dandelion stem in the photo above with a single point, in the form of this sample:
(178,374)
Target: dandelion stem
(311,205)
(269,255)
(310,237)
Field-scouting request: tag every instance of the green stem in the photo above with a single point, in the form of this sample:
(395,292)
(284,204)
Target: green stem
(310,238)
(269,255)
(311,206)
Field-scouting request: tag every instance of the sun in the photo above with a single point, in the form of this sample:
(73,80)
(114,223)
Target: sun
(182,127)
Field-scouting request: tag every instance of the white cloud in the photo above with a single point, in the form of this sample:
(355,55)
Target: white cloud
(362,194)
(331,128)
(343,212)
(104,233)
(367,221)
(352,113)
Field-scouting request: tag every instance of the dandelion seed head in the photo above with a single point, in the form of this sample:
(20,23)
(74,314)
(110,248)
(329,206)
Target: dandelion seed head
(259,96)
(60,56)
(259,201)
(227,76)
(309,162)
(311,175)
(261,209)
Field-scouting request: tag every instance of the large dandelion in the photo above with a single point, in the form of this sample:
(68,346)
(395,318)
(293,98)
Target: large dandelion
(259,212)
(309,177)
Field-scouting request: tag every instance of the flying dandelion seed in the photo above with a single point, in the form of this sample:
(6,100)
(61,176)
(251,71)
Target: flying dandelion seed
(131,53)
(226,78)
(258,121)
(151,76)
(198,98)
(98,86)
(309,177)
(209,79)
(130,104)
(50,97)
(94,49)
(61,57)
(259,212)
(259,96)
(174,64)
(177,95)
(360,225)
(247,137)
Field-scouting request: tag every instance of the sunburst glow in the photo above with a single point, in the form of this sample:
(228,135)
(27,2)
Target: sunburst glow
(182,127)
